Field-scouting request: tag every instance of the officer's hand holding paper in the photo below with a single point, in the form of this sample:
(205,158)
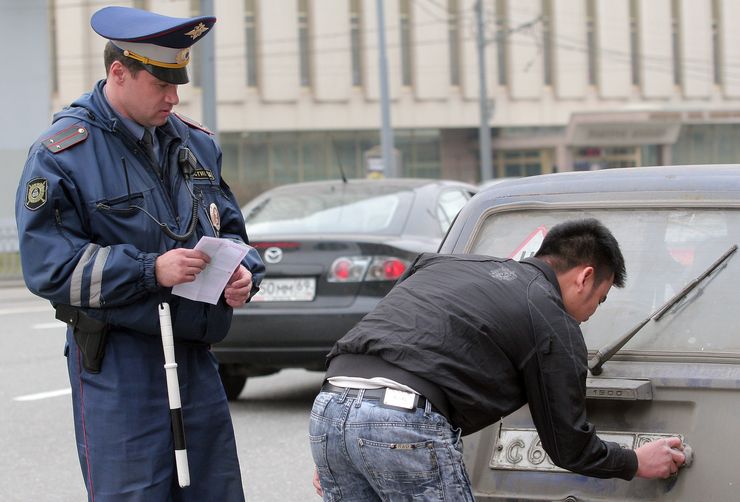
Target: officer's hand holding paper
(210,283)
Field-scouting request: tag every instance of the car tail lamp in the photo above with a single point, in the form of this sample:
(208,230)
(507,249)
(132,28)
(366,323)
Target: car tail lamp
(366,268)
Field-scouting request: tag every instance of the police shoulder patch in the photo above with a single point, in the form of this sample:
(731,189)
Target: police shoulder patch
(36,190)
(193,123)
(66,138)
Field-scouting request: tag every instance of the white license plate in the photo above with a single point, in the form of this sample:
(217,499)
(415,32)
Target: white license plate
(521,449)
(286,290)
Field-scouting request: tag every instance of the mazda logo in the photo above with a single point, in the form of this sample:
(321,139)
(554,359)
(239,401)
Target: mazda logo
(273,255)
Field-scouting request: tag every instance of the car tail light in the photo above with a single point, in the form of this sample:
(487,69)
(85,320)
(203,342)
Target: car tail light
(366,268)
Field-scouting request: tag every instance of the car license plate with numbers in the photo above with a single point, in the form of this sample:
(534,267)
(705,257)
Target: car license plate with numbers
(521,449)
(286,290)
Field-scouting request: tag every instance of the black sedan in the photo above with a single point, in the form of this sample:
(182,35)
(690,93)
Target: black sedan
(332,250)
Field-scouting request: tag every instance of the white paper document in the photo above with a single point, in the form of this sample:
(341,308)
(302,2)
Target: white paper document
(210,283)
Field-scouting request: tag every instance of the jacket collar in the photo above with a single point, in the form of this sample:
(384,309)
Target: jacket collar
(93,107)
(546,270)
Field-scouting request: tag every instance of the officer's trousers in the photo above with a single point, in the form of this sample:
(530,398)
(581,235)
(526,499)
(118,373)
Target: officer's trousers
(123,429)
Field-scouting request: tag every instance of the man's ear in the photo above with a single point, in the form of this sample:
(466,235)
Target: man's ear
(117,72)
(586,276)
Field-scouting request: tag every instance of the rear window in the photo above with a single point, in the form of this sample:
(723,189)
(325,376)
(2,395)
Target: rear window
(664,250)
(365,208)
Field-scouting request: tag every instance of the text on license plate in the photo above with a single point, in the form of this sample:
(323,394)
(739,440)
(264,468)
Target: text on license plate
(521,449)
(286,290)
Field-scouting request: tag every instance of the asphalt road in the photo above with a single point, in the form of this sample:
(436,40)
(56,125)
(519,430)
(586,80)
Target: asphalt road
(38,460)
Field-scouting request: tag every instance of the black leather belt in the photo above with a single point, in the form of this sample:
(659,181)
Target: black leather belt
(375,394)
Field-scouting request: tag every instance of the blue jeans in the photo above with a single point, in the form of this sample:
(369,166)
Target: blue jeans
(367,452)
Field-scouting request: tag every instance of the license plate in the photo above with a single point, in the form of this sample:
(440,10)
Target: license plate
(521,449)
(286,290)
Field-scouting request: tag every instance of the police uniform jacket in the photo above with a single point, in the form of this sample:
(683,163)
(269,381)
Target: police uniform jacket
(491,334)
(86,209)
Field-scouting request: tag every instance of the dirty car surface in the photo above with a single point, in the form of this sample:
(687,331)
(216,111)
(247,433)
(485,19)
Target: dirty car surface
(680,372)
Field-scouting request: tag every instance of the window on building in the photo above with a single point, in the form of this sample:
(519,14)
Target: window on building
(595,158)
(516,163)
(717,42)
(250,32)
(255,162)
(355,34)
(453,31)
(547,42)
(304,48)
(194,68)
(140,4)
(676,41)
(635,42)
(502,37)
(406,70)
(591,42)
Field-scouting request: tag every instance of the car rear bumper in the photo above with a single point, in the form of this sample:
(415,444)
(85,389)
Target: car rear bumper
(284,337)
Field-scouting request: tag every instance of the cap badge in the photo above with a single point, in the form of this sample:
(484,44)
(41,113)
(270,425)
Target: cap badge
(197,31)
(183,56)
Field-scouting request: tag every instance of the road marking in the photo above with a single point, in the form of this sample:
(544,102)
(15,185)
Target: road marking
(49,325)
(44,395)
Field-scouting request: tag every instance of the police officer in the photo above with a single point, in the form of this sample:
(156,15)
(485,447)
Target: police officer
(113,197)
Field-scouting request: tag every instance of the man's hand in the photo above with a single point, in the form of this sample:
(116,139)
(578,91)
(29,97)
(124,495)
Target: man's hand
(660,458)
(178,266)
(238,288)
(317,483)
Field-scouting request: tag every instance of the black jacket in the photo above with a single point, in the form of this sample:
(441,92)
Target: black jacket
(492,334)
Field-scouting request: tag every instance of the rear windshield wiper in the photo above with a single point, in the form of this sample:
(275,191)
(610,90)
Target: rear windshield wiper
(605,353)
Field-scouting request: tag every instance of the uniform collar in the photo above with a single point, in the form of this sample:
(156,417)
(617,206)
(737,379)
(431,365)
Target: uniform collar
(546,270)
(136,129)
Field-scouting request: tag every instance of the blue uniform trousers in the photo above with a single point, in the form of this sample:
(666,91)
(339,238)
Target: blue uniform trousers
(123,429)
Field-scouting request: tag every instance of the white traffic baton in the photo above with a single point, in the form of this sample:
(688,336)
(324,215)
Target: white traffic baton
(173,392)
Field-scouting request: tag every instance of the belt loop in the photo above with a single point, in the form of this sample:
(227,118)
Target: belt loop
(360,395)
(343,395)
(428,408)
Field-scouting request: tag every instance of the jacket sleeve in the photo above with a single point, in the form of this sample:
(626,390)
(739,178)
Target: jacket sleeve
(60,259)
(555,380)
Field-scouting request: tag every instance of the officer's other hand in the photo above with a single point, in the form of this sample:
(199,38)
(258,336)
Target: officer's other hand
(317,482)
(239,287)
(180,265)
(660,458)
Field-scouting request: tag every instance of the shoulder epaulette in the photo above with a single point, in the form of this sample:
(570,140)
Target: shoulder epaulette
(192,123)
(66,138)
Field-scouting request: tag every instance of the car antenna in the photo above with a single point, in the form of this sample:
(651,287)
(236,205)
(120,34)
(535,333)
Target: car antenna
(339,161)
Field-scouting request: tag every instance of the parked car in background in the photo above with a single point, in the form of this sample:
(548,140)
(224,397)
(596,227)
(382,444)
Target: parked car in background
(678,372)
(332,249)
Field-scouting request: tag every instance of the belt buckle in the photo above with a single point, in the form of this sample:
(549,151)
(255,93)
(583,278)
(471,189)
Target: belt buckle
(399,399)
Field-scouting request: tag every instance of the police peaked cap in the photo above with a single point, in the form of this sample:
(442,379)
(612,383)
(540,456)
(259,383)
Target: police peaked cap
(160,43)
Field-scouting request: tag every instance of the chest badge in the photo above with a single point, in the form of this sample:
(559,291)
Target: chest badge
(215,218)
(36,190)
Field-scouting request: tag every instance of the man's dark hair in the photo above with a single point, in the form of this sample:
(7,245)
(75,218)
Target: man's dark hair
(584,242)
(112,53)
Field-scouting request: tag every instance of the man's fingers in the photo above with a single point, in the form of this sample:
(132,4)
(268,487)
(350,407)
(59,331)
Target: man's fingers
(674,442)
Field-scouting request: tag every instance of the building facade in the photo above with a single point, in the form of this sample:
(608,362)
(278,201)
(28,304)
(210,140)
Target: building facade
(571,84)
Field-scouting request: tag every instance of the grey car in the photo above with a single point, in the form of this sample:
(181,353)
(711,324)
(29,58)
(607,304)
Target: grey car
(664,351)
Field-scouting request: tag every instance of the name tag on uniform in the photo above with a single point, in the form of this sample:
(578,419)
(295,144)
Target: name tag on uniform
(400,399)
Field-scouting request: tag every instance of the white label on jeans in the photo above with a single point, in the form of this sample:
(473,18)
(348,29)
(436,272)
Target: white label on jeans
(399,398)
